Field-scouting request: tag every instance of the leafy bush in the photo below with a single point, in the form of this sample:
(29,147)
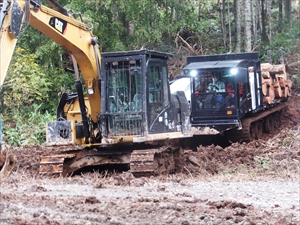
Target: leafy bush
(284,41)
(26,82)
(26,127)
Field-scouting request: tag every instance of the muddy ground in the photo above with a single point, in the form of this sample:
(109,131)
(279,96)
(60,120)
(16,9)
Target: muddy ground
(249,183)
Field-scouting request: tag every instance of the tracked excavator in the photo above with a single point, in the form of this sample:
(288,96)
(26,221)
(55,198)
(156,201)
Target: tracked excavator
(125,111)
(234,94)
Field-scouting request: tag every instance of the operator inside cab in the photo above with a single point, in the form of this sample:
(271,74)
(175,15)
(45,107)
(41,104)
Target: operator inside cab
(215,85)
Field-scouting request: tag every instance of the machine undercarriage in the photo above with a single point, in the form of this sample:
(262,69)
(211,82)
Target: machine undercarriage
(141,159)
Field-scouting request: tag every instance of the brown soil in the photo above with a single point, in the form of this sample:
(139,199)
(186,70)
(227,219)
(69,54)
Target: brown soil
(244,183)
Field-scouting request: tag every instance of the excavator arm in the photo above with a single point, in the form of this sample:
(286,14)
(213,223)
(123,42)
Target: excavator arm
(69,33)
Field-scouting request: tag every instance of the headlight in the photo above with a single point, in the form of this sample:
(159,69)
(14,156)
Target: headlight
(234,71)
(193,73)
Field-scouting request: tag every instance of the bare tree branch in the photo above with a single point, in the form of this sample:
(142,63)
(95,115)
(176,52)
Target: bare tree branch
(187,44)
(294,64)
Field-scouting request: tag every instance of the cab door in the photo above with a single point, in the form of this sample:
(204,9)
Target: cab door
(158,97)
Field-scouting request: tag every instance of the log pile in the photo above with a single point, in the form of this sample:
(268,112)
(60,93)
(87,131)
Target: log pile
(275,84)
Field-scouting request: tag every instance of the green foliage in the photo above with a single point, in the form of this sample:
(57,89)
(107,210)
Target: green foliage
(30,39)
(284,40)
(288,141)
(151,21)
(26,127)
(265,163)
(26,82)
(296,80)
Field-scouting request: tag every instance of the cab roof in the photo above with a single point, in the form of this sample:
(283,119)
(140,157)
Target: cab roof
(215,64)
(244,59)
(250,56)
(148,53)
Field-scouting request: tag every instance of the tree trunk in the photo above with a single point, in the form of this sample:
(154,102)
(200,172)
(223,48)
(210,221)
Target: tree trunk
(229,27)
(172,15)
(288,11)
(280,16)
(254,22)
(259,19)
(247,26)
(238,25)
(199,11)
(264,35)
(223,23)
(234,19)
(130,28)
(269,19)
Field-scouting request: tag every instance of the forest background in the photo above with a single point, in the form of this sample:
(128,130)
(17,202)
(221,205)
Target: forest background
(40,70)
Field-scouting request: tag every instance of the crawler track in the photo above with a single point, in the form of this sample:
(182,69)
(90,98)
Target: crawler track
(53,165)
(65,163)
(254,127)
(152,162)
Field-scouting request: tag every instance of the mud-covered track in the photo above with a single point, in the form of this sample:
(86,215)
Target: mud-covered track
(256,126)
(153,161)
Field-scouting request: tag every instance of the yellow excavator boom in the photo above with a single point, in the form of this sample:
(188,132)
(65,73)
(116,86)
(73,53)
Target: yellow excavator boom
(66,31)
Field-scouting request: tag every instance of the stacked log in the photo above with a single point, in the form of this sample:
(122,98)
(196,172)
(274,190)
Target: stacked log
(278,90)
(268,90)
(275,84)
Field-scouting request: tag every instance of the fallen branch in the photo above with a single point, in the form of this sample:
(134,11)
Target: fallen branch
(254,48)
(179,50)
(187,44)
(294,64)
